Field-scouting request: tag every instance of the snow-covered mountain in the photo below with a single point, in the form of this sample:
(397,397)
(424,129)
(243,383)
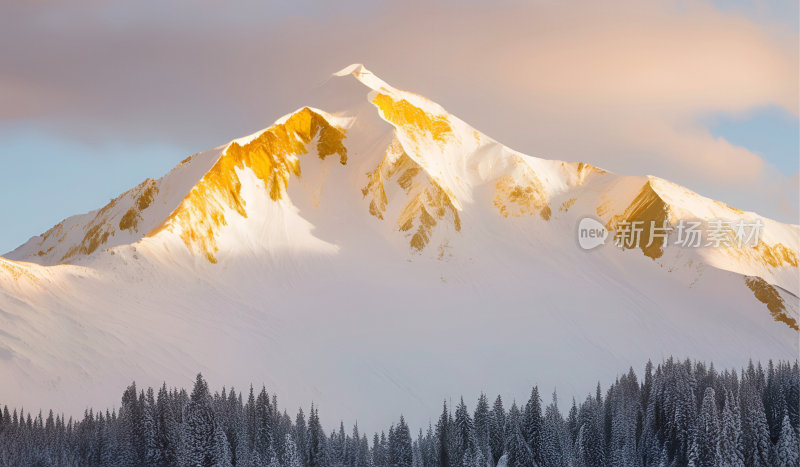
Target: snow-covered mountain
(376,254)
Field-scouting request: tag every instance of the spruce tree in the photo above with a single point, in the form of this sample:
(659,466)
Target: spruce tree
(755,431)
(517,449)
(263,424)
(787,451)
(707,431)
(497,423)
(730,440)
(481,422)
(300,436)
(464,431)
(291,456)
(443,437)
(400,446)
(200,427)
(532,424)
(316,440)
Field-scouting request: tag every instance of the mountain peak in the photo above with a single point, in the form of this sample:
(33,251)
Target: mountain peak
(403,166)
(345,225)
(273,157)
(361,73)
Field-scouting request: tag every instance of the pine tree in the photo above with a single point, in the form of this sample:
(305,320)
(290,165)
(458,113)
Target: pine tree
(167,431)
(400,448)
(730,441)
(592,443)
(222,449)
(377,451)
(200,427)
(556,440)
(300,436)
(464,431)
(787,450)
(316,440)
(572,420)
(774,402)
(358,454)
(707,431)
(497,423)
(517,448)
(263,424)
(532,424)
(443,437)
(291,457)
(429,448)
(131,448)
(755,432)
(481,424)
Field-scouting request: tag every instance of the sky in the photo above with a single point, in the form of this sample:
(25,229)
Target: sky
(97,95)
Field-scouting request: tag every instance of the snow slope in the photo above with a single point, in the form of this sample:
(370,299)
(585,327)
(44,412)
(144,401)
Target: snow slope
(376,254)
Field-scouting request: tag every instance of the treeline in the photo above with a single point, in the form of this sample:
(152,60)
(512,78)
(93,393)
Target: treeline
(681,413)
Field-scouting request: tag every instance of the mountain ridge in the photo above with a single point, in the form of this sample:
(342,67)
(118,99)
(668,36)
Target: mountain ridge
(411,121)
(365,226)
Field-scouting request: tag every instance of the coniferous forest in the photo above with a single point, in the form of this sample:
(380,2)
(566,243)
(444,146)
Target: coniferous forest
(678,413)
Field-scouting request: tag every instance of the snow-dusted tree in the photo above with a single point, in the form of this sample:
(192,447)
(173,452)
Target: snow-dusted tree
(443,435)
(222,449)
(481,424)
(149,429)
(316,440)
(517,448)
(556,440)
(200,427)
(670,414)
(429,447)
(359,446)
(365,456)
(787,451)
(572,420)
(532,424)
(464,431)
(775,405)
(592,445)
(416,449)
(379,450)
(400,449)
(730,440)
(792,392)
(291,456)
(300,432)
(755,432)
(707,431)
(263,424)
(130,442)
(497,423)
(622,409)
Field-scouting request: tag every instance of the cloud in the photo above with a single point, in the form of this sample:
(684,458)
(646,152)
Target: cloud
(624,87)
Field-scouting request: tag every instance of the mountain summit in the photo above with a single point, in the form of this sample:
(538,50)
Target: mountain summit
(377,248)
